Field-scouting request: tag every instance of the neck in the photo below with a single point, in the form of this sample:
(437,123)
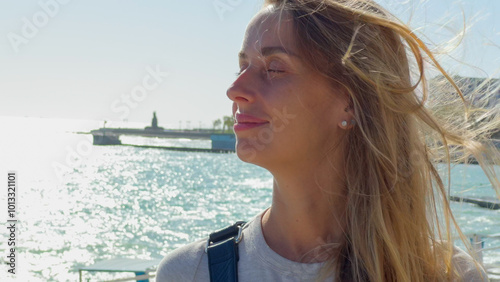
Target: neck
(306,212)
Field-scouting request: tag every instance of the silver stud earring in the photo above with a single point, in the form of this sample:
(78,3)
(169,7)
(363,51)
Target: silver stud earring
(344,123)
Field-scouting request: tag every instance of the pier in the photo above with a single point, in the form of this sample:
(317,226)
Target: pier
(484,202)
(183,149)
(221,142)
(161,133)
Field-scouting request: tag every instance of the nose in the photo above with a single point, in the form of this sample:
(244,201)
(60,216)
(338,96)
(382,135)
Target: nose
(243,88)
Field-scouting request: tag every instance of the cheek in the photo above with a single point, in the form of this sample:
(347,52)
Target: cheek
(320,110)
(303,108)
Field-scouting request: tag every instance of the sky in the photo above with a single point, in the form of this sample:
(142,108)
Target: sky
(121,59)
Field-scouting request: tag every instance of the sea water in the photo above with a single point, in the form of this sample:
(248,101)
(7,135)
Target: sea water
(79,204)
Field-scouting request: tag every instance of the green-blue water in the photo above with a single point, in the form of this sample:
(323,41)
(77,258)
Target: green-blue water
(79,204)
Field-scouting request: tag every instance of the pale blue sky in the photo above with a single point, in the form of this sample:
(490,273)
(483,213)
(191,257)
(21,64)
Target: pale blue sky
(79,61)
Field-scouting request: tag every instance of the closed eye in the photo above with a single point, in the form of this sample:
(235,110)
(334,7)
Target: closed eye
(238,73)
(243,67)
(274,68)
(274,73)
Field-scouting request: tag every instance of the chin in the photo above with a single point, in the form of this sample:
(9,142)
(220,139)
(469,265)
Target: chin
(264,156)
(252,152)
(245,151)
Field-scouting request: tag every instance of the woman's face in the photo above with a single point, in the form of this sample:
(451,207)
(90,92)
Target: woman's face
(285,112)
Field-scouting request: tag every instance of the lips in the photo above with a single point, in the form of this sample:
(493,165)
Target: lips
(245,121)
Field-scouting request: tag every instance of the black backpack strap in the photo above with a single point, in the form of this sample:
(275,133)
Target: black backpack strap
(222,252)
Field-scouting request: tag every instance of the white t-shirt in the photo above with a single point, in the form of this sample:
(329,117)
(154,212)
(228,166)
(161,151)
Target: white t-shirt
(258,262)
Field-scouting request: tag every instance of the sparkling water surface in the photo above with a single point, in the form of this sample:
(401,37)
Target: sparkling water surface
(79,204)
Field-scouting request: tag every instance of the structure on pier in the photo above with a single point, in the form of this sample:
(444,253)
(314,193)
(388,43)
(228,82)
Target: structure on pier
(154,124)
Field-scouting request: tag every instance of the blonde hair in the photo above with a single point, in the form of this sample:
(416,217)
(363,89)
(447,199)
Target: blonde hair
(394,191)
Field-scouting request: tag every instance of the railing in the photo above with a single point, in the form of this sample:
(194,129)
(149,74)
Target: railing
(477,242)
(135,278)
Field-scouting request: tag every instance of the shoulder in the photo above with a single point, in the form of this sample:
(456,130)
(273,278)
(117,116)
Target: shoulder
(186,263)
(468,269)
(190,262)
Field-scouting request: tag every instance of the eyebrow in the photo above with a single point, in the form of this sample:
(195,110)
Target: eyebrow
(268,51)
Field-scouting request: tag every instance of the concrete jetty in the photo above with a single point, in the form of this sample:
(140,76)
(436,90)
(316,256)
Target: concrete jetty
(484,202)
(221,142)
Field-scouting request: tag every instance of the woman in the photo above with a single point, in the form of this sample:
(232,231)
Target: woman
(326,102)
